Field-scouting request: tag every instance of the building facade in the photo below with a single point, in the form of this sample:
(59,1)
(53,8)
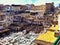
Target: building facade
(38,8)
(50,8)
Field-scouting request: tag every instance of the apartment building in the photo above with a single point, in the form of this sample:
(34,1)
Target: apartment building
(38,8)
(59,5)
(1,7)
(16,7)
(50,8)
(8,10)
